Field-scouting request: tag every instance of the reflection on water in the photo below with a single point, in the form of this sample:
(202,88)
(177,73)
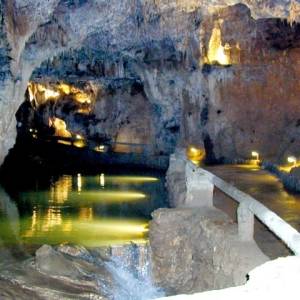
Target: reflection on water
(88,210)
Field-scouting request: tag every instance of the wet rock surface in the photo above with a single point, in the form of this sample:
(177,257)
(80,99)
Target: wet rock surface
(73,272)
(198,250)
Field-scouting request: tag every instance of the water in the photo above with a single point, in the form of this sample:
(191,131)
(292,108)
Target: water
(132,285)
(92,211)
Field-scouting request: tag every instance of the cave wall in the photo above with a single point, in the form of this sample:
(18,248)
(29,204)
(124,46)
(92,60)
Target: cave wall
(35,31)
(254,105)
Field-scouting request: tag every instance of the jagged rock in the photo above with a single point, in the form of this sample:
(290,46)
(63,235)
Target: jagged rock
(164,44)
(198,250)
(272,280)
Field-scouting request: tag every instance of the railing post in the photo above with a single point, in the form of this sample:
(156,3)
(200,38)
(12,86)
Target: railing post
(199,188)
(245,222)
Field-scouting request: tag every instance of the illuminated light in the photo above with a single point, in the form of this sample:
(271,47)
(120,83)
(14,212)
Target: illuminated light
(78,137)
(60,127)
(195,155)
(61,189)
(292,160)
(50,94)
(30,130)
(65,88)
(130,179)
(106,196)
(82,98)
(79,183)
(117,227)
(101,148)
(85,110)
(117,195)
(102,180)
(84,229)
(30,89)
(86,213)
(34,136)
(79,144)
(216,52)
(255,155)
(64,142)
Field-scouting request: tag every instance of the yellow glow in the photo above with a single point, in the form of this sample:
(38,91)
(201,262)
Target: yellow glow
(79,182)
(79,137)
(50,221)
(51,94)
(100,148)
(31,91)
(82,98)
(60,127)
(64,142)
(195,155)
(61,189)
(42,93)
(217,53)
(130,179)
(79,144)
(86,230)
(255,154)
(102,180)
(292,160)
(65,88)
(86,214)
(120,196)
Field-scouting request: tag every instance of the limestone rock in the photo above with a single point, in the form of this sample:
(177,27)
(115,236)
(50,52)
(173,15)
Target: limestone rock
(198,250)
(164,43)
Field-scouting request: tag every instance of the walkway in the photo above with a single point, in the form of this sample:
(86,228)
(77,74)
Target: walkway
(269,191)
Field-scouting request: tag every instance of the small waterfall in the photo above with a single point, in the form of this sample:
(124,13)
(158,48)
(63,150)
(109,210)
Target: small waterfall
(131,269)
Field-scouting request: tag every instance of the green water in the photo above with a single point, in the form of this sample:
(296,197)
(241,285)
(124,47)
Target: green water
(88,210)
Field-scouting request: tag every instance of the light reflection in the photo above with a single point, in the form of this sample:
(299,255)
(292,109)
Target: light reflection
(79,144)
(101,148)
(86,213)
(85,230)
(61,189)
(79,183)
(131,179)
(102,180)
(74,209)
(107,196)
(63,142)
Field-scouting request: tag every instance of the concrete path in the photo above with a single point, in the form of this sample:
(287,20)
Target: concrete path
(268,190)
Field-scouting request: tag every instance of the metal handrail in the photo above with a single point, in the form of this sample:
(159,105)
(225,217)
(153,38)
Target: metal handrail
(250,207)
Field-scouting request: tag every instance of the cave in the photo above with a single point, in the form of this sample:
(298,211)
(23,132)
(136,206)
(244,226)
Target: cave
(104,105)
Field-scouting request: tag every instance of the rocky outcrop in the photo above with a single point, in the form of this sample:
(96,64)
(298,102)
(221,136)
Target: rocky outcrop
(271,280)
(73,272)
(186,100)
(198,250)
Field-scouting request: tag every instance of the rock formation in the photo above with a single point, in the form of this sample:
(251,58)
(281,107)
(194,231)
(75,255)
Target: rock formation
(164,45)
(199,250)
